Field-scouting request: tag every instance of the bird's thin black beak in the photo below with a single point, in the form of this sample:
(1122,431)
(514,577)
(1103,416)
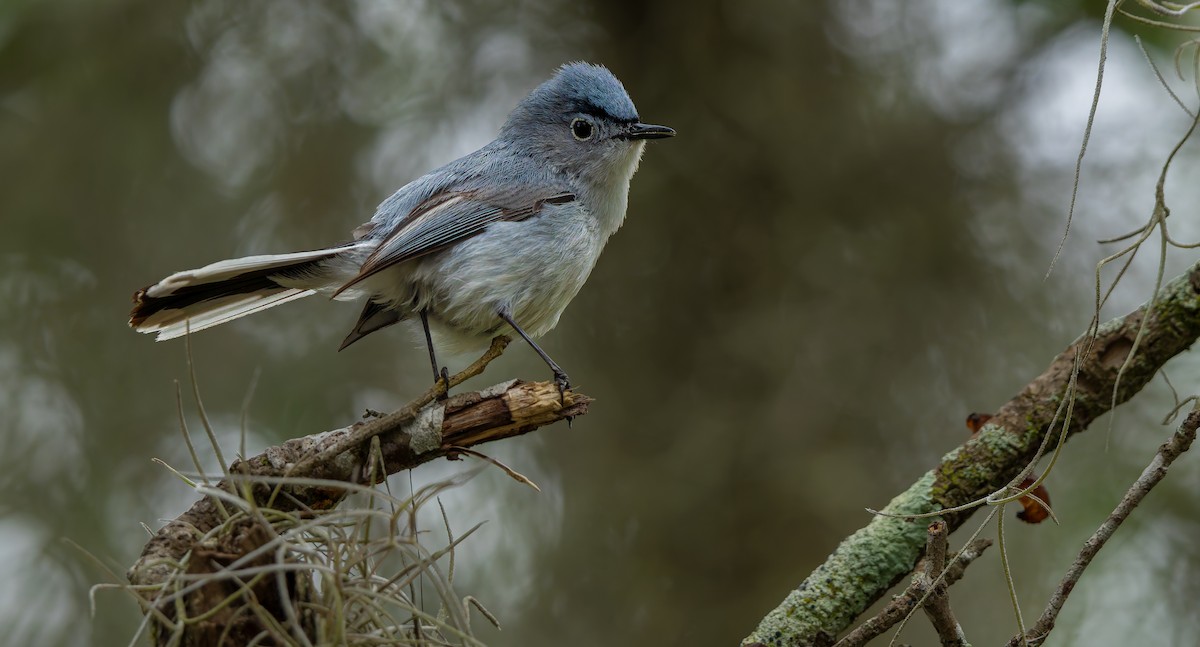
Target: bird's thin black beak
(648,131)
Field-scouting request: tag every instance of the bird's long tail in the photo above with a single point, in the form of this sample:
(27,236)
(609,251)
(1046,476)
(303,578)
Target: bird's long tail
(214,294)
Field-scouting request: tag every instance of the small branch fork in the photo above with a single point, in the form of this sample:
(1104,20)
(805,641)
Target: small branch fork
(937,607)
(930,589)
(1179,443)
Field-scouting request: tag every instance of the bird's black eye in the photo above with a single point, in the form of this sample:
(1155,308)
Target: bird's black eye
(582,129)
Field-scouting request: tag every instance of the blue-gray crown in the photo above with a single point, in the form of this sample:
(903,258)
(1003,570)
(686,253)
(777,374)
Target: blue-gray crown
(576,88)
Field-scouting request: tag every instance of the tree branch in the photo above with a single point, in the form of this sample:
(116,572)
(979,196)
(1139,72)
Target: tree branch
(876,557)
(1179,443)
(417,433)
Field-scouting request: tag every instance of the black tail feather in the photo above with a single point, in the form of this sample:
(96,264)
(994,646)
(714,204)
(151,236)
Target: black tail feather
(145,306)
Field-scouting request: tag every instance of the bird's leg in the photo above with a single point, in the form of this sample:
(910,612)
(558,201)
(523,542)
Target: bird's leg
(560,376)
(438,374)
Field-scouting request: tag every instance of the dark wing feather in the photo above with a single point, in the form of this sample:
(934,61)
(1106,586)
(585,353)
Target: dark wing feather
(374,317)
(447,218)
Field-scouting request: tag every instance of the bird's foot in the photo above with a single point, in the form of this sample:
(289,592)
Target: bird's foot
(564,384)
(444,377)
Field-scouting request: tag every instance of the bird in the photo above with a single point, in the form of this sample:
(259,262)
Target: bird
(497,241)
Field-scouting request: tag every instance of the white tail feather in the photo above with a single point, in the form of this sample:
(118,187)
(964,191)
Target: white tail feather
(224,270)
(214,294)
(170,324)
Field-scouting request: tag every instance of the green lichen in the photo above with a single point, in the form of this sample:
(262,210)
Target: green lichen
(1181,292)
(1110,327)
(969,469)
(865,563)
(997,441)
(1177,306)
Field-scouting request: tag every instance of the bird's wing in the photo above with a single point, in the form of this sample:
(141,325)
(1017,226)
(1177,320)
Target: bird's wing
(451,216)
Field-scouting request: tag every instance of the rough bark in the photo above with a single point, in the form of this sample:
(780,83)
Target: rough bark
(869,562)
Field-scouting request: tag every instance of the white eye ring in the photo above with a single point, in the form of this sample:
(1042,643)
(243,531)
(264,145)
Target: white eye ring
(582,129)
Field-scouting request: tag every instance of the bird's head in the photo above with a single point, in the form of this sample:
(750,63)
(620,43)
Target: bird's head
(583,121)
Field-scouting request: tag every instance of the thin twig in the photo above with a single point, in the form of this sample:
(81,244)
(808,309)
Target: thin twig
(513,474)
(1179,443)
(1008,578)
(1087,131)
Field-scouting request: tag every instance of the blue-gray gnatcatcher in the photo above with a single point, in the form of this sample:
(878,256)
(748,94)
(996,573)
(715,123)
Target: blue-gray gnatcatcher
(500,239)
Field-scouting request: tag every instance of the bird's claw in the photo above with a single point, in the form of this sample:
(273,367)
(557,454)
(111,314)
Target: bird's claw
(444,376)
(563,383)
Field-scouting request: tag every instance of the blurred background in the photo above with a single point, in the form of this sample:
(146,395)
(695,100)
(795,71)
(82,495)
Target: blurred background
(841,255)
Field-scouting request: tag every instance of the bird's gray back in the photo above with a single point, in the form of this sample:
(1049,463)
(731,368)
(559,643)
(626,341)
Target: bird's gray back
(495,169)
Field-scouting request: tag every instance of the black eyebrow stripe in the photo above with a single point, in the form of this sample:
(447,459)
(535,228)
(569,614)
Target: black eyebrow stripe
(589,108)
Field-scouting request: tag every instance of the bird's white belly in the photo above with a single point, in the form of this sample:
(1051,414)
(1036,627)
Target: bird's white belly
(531,269)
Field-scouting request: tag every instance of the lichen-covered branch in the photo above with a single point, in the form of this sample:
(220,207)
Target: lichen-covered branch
(876,557)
